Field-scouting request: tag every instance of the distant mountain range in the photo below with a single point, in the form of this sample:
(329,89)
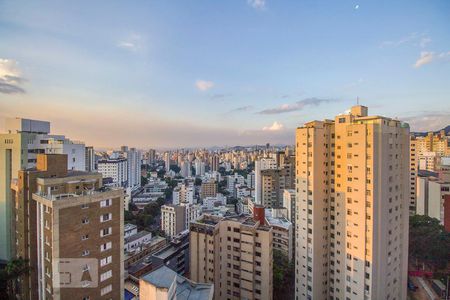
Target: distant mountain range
(446,129)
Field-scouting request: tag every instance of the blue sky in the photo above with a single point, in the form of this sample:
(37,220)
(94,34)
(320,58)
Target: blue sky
(201,73)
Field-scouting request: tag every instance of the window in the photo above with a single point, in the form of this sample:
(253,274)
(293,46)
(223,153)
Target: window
(85,221)
(105,231)
(105,203)
(106,275)
(105,261)
(106,290)
(84,206)
(85,253)
(84,237)
(105,217)
(105,246)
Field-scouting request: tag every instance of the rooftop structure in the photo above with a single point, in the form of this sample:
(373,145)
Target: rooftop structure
(165,284)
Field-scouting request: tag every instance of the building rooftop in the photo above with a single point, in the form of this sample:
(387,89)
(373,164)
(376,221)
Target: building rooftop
(137,236)
(84,193)
(280,222)
(129,226)
(185,289)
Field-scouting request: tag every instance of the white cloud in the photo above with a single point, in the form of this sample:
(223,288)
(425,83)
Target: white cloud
(133,42)
(127,45)
(257,4)
(276,126)
(424,42)
(299,105)
(204,85)
(416,39)
(427,57)
(10,77)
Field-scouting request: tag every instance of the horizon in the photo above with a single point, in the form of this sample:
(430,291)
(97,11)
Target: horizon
(199,74)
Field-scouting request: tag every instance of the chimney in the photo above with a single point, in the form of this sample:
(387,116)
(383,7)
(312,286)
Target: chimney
(259,214)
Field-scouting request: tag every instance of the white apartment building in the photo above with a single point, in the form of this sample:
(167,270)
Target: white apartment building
(262,164)
(432,193)
(352,208)
(172,219)
(134,158)
(199,167)
(289,204)
(428,161)
(185,170)
(183,193)
(115,168)
(193,212)
(167,161)
(89,159)
(176,218)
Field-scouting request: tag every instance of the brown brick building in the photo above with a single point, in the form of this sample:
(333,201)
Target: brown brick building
(70,228)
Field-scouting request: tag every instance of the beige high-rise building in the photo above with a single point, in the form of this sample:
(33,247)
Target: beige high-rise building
(270,188)
(353,188)
(234,253)
(70,228)
(208,189)
(173,219)
(413,170)
(438,143)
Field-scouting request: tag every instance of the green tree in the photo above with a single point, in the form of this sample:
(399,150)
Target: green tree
(283,276)
(175,168)
(161,173)
(9,276)
(144,181)
(429,242)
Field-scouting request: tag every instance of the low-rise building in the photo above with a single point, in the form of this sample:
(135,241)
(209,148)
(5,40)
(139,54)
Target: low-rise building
(165,284)
(137,240)
(283,238)
(175,255)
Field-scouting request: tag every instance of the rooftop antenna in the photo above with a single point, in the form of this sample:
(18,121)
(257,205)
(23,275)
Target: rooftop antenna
(357,100)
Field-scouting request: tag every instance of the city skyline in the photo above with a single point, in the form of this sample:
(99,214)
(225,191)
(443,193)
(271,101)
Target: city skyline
(194,74)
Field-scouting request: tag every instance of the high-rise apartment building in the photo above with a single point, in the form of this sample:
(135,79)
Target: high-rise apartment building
(199,167)
(270,188)
(214,163)
(289,204)
(176,218)
(353,187)
(260,165)
(413,169)
(167,161)
(19,147)
(185,169)
(90,159)
(183,193)
(116,169)
(172,219)
(438,143)
(208,189)
(151,156)
(234,253)
(134,158)
(70,229)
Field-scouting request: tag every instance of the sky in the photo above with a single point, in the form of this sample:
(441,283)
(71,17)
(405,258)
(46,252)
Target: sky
(194,73)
